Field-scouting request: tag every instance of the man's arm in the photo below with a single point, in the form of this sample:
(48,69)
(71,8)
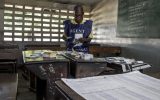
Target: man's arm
(64,37)
(66,25)
(82,40)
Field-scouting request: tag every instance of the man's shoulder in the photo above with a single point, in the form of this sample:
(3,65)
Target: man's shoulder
(88,22)
(73,22)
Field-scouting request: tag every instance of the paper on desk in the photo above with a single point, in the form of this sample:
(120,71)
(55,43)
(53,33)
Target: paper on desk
(130,86)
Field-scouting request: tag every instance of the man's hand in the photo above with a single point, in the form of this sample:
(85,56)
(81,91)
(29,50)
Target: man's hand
(66,38)
(69,38)
(82,40)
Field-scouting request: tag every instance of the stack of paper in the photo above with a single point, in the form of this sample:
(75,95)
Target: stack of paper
(129,86)
(128,64)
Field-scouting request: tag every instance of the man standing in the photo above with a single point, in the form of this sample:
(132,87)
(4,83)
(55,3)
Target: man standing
(77,33)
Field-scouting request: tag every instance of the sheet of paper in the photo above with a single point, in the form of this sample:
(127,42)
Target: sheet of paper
(78,36)
(129,86)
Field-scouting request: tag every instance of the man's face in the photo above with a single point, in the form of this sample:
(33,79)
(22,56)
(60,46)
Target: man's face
(79,15)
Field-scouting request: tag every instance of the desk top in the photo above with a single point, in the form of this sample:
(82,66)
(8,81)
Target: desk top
(70,92)
(41,56)
(80,60)
(43,63)
(133,85)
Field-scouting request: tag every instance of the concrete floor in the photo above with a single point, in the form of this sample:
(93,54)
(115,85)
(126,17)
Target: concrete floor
(23,89)
(25,94)
(155,75)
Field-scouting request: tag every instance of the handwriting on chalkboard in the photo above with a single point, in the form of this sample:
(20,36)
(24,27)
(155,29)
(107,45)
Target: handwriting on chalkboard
(139,18)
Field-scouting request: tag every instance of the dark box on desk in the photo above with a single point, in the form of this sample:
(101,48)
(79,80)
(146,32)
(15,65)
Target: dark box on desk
(80,69)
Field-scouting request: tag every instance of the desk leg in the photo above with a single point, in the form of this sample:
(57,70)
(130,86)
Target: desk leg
(41,89)
(32,82)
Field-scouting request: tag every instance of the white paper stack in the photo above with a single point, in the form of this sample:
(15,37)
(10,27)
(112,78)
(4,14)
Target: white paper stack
(128,86)
(128,65)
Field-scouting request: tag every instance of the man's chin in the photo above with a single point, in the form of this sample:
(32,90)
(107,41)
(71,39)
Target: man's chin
(78,21)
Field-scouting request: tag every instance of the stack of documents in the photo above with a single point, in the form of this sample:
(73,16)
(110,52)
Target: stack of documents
(127,65)
(128,86)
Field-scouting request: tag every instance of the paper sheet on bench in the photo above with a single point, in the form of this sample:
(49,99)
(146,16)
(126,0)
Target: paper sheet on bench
(129,86)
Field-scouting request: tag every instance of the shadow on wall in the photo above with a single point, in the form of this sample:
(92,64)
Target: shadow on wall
(104,16)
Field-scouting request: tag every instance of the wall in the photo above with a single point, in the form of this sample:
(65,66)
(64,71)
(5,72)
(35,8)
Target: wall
(44,4)
(1,19)
(104,15)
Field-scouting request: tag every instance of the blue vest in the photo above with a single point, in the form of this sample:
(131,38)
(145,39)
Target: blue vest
(71,29)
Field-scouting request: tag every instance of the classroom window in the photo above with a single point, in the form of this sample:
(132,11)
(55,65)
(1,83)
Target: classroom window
(34,23)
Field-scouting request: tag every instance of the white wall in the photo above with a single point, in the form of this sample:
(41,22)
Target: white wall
(104,16)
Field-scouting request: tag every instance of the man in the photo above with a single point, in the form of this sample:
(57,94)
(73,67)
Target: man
(77,33)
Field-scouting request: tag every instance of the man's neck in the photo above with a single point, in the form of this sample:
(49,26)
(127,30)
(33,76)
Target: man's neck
(74,22)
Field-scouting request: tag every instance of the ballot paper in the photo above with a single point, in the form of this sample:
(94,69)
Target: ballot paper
(78,36)
(128,86)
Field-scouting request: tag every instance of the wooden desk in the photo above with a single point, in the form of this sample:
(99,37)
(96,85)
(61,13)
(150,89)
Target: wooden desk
(8,66)
(80,68)
(63,92)
(108,49)
(47,68)
(95,49)
(109,87)
(8,86)
(54,47)
(8,60)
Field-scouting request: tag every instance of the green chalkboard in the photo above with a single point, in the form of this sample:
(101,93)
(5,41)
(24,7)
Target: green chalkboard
(139,18)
